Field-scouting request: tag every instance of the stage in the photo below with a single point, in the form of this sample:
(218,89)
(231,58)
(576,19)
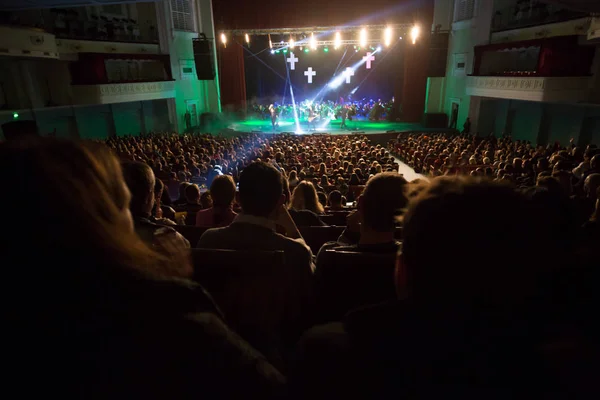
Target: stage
(331,127)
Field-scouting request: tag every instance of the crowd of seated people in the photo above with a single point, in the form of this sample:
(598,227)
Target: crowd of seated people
(457,287)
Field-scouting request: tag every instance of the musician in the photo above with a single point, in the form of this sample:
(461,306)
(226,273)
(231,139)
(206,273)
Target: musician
(311,118)
(273,113)
(344,115)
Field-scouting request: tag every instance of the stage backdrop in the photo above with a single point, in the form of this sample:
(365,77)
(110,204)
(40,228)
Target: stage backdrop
(267,74)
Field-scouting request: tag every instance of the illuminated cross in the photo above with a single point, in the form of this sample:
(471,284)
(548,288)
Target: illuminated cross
(310,73)
(292,60)
(349,72)
(368,58)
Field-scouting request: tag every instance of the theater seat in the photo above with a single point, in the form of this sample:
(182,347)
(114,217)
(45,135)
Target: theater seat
(347,280)
(252,289)
(191,233)
(317,236)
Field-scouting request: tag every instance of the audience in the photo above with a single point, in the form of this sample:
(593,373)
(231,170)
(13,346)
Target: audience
(222,191)
(493,294)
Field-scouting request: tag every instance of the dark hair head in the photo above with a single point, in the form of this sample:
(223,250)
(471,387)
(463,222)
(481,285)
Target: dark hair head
(222,191)
(383,199)
(335,198)
(192,193)
(140,181)
(467,240)
(260,189)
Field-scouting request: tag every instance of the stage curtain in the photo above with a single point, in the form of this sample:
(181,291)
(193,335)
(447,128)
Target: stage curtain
(232,76)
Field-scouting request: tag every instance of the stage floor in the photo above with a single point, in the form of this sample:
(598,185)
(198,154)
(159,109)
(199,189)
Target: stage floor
(333,127)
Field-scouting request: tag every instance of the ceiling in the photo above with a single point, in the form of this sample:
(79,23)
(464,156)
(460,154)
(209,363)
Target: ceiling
(24,4)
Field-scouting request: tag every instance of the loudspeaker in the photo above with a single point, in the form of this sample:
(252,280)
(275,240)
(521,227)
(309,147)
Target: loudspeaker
(21,129)
(203,58)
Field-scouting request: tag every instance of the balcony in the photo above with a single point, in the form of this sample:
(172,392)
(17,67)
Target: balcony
(525,14)
(122,92)
(548,89)
(27,42)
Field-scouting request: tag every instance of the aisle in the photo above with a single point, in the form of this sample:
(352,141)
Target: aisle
(408,172)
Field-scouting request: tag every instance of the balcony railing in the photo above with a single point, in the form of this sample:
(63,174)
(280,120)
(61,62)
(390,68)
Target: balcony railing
(122,92)
(549,89)
(525,14)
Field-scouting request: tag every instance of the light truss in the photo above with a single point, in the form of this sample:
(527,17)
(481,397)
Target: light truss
(326,43)
(317,29)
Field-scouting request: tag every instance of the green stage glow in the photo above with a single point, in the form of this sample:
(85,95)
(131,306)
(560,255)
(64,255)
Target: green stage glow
(326,49)
(284,51)
(15,115)
(306,50)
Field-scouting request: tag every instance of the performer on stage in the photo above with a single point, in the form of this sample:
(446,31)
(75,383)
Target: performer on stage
(344,115)
(273,113)
(311,118)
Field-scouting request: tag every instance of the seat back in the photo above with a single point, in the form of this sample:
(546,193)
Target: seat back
(250,288)
(317,236)
(347,280)
(191,233)
(335,218)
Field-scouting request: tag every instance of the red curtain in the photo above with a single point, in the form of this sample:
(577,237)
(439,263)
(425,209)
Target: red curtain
(232,75)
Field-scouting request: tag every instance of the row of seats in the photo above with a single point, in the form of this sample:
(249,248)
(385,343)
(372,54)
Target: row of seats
(314,236)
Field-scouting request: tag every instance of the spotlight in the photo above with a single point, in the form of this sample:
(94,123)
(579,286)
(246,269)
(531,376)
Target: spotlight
(400,37)
(363,37)
(338,40)
(272,51)
(313,41)
(414,33)
(270,42)
(326,49)
(306,50)
(284,51)
(378,48)
(247,37)
(224,39)
(292,43)
(387,36)
(301,48)
(15,115)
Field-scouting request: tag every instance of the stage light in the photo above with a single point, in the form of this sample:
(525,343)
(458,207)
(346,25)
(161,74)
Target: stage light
(338,40)
(247,37)
(270,42)
(292,43)
(387,36)
(15,115)
(313,41)
(306,50)
(301,48)
(378,48)
(284,51)
(272,51)
(363,37)
(326,49)
(400,37)
(224,39)
(414,33)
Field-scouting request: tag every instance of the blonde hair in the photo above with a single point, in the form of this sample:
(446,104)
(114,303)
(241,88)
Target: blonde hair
(305,198)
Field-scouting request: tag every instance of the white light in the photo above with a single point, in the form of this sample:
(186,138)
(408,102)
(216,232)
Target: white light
(378,48)
(400,37)
(363,37)
(414,33)
(223,39)
(292,43)
(270,42)
(338,40)
(387,36)
(247,38)
(313,41)
(272,51)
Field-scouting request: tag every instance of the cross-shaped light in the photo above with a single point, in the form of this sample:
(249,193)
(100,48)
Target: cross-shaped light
(368,58)
(310,73)
(348,73)
(292,60)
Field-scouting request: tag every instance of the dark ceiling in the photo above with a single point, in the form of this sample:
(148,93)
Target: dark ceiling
(591,6)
